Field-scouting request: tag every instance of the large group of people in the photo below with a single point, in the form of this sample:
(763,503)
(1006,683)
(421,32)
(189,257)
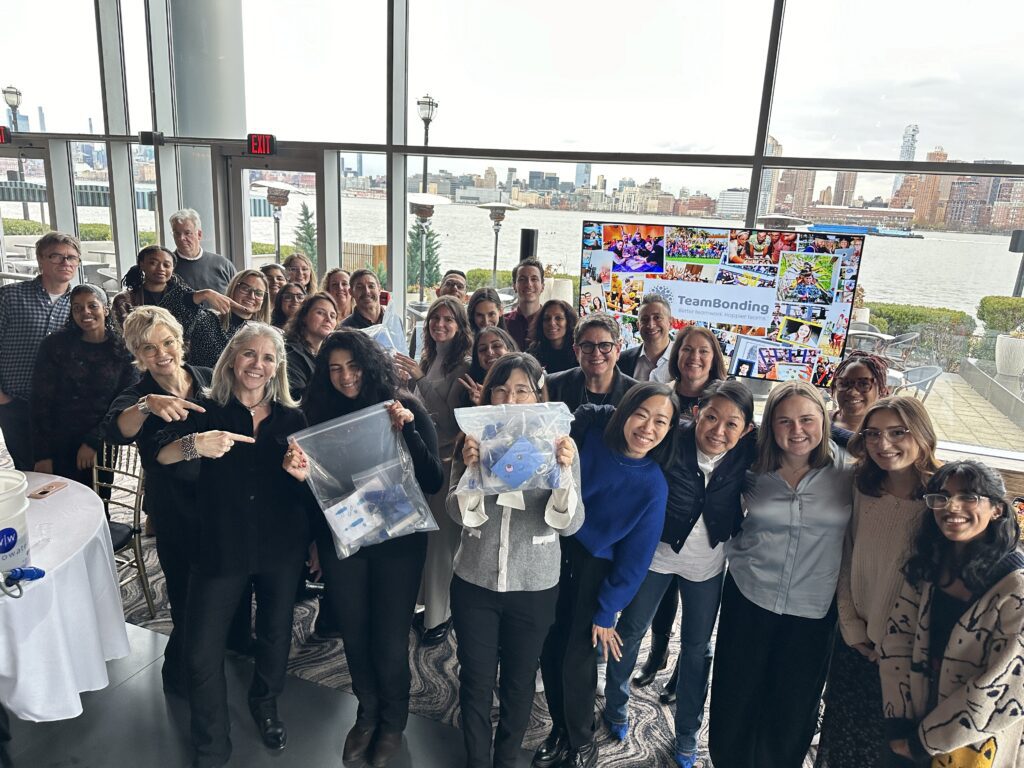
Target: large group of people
(838,556)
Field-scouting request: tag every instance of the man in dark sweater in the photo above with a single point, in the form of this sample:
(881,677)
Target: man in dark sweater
(200,269)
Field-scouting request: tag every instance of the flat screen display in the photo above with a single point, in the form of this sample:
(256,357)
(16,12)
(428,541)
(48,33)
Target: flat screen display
(779,302)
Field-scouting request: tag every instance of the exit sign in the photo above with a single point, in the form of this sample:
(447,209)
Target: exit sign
(5,135)
(262,144)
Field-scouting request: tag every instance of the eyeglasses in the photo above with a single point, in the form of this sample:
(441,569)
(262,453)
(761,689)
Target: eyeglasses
(861,385)
(518,393)
(57,258)
(588,347)
(257,293)
(456,284)
(894,435)
(293,298)
(941,500)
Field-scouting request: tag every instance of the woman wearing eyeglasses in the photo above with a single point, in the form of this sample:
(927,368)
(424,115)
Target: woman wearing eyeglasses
(857,383)
(896,457)
(249,292)
(597,380)
(952,653)
(286,304)
(489,345)
(506,577)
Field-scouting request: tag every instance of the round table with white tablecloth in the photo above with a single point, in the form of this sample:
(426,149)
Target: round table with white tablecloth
(56,639)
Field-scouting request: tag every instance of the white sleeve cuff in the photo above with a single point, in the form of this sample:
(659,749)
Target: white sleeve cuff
(561,505)
(471,508)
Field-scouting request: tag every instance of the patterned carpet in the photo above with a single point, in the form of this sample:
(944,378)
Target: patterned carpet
(435,681)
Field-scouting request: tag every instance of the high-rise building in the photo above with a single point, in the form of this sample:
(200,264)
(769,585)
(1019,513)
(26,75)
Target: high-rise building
(625,183)
(42,121)
(536,180)
(846,184)
(906,195)
(359,163)
(825,198)
(929,191)
(803,191)
(907,151)
(989,185)
(732,203)
(550,181)
(510,180)
(582,175)
(602,182)
(769,179)
(1008,208)
(490,178)
(964,208)
(23,124)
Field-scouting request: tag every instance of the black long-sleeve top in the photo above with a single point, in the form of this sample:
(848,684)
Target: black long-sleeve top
(170,492)
(718,501)
(254,516)
(420,438)
(72,386)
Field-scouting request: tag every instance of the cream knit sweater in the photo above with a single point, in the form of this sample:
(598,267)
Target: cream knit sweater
(879,538)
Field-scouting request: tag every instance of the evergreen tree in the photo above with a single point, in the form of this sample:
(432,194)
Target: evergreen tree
(432,264)
(305,234)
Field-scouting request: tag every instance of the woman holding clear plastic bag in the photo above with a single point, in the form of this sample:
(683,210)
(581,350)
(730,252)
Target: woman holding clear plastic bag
(506,576)
(372,593)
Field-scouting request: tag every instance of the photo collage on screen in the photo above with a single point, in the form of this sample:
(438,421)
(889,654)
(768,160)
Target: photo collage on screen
(779,302)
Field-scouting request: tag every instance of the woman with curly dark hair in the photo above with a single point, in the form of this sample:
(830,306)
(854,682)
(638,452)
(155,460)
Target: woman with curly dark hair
(552,331)
(896,457)
(484,309)
(372,593)
(857,383)
(950,656)
(303,334)
(79,371)
(446,348)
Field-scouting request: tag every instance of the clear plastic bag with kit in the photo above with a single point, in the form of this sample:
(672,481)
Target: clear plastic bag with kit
(390,332)
(517,446)
(362,476)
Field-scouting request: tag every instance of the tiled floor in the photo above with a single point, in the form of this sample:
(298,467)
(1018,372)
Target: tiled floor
(961,415)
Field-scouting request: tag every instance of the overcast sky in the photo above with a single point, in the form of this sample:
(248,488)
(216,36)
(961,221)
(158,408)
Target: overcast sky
(650,75)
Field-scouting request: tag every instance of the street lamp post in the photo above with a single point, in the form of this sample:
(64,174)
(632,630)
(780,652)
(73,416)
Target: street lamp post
(426,106)
(422,207)
(13,98)
(497,211)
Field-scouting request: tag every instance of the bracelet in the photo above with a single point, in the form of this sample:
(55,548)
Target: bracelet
(188,447)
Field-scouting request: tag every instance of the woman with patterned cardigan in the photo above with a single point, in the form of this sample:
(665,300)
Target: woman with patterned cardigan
(953,651)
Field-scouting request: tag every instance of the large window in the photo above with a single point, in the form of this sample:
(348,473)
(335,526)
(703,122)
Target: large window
(877,78)
(648,76)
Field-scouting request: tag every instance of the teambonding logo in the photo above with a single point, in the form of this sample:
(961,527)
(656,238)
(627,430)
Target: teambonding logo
(8,540)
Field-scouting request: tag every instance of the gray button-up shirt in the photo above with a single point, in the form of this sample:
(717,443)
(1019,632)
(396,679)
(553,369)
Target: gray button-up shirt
(786,557)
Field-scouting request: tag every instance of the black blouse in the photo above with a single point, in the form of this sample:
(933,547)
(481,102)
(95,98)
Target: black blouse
(72,386)
(254,516)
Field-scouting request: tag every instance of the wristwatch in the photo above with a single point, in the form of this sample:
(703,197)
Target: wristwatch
(143,405)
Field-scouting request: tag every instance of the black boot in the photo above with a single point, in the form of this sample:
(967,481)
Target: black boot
(657,660)
(668,693)
(553,750)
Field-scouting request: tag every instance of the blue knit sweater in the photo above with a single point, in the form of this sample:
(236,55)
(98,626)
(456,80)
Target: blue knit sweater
(624,500)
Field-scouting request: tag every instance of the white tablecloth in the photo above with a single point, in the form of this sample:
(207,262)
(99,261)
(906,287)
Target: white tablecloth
(56,639)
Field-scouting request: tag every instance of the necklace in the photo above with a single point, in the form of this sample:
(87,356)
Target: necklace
(597,399)
(252,410)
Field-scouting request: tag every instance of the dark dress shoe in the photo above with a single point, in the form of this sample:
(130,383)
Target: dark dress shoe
(356,743)
(584,757)
(552,751)
(272,730)
(657,660)
(668,693)
(386,747)
(436,635)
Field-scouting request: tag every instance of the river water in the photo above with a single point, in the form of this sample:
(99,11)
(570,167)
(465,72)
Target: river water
(943,269)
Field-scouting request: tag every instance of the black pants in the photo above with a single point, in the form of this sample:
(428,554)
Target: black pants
(768,676)
(568,662)
(211,602)
(16,424)
(373,595)
(493,627)
(175,546)
(665,619)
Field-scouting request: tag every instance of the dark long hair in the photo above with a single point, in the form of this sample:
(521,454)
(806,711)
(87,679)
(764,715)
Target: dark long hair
(934,555)
(476,369)
(277,316)
(481,295)
(459,349)
(295,328)
(614,437)
(134,279)
(322,402)
(541,345)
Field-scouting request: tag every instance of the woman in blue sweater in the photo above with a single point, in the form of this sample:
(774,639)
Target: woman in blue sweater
(605,562)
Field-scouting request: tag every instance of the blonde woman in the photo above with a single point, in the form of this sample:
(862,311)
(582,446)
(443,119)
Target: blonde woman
(250,292)
(300,269)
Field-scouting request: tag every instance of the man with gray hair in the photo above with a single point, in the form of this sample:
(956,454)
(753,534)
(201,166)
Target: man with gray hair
(649,362)
(29,312)
(200,269)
